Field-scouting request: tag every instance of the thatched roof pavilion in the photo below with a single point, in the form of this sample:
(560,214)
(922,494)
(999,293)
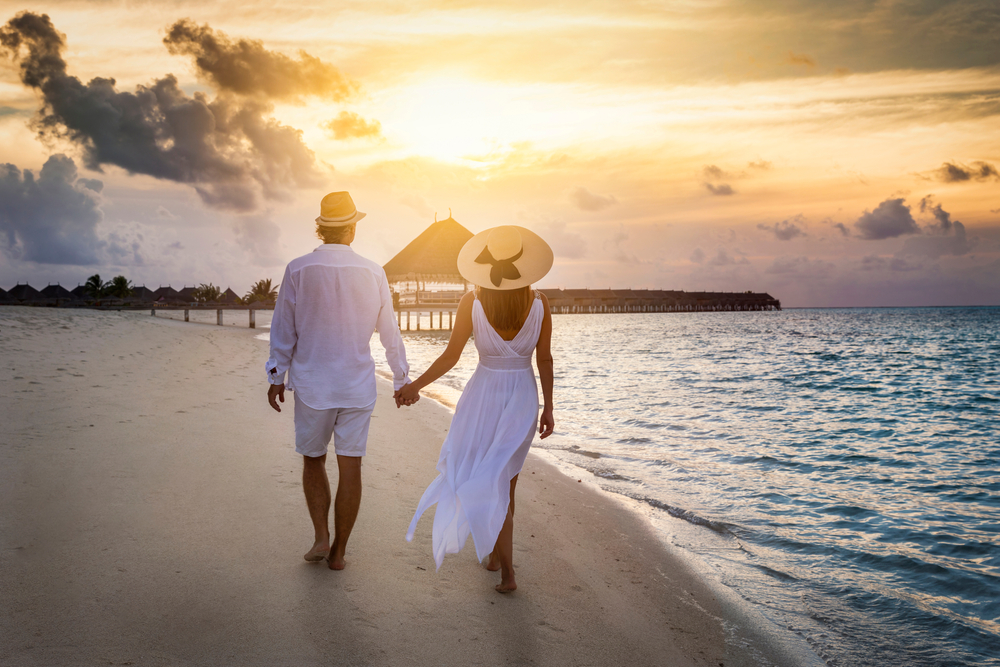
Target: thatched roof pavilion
(229,297)
(57,291)
(4,297)
(25,293)
(432,257)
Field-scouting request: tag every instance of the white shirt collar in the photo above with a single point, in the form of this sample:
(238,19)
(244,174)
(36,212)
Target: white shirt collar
(333,246)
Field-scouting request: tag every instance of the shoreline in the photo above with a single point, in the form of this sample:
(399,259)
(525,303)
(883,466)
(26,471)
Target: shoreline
(141,453)
(748,629)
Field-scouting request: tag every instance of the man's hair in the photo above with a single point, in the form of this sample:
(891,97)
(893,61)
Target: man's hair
(334,234)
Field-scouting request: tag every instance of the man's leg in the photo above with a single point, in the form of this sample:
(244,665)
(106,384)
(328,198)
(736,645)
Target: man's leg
(345,508)
(316,485)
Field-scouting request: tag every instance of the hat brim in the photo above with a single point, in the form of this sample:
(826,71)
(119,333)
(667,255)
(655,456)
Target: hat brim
(327,222)
(534,262)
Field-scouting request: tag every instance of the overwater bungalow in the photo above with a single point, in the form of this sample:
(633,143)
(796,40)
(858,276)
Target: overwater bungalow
(58,294)
(167,295)
(5,297)
(142,294)
(229,297)
(25,293)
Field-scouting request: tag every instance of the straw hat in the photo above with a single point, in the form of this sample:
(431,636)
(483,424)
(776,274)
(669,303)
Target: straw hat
(337,210)
(505,258)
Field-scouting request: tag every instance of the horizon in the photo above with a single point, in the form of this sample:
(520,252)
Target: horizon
(831,156)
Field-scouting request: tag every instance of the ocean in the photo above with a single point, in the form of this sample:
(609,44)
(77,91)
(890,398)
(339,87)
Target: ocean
(838,469)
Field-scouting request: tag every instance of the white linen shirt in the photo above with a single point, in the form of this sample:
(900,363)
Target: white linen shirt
(329,304)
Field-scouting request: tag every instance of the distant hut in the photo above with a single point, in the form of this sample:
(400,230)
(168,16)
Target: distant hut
(430,259)
(80,292)
(25,293)
(142,294)
(166,295)
(229,297)
(5,297)
(58,293)
(187,295)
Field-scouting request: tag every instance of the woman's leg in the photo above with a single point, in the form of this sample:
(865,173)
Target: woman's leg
(502,557)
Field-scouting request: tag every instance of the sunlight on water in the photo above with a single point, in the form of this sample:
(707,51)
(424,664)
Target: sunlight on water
(842,466)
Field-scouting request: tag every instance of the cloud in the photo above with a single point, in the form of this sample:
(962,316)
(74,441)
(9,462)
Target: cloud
(418,204)
(942,218)
(258,235)
(564,242)
(895,264)
(723,189)
(951,172)
(228,149)
(890,219)
(349,125)
(714,173)
(585,200)
(800,59)
(761,165)
(799,266)
(786,230)
(723,258)
(698,256)
(955,243)
(245,67)
(51,219)
(844,231)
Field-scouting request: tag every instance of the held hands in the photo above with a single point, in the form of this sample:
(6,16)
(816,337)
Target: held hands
(276,391)
(406,395)
(546,424)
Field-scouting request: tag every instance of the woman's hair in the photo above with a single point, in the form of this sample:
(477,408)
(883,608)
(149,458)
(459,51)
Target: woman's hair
(334,234)
(505,309)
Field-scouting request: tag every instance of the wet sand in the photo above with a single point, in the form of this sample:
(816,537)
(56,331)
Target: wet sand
(153,515)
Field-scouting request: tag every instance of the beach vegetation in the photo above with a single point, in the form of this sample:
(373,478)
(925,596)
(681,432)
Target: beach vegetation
(95,287)
(119,287)
(207,293)
(261,291)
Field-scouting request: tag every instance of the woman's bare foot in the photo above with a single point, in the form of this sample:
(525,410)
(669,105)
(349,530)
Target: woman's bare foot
(507,583)
(318,552)
(336,558)
(493,564)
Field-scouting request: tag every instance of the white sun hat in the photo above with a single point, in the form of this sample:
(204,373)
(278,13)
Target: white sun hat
(337,210)
(505,258)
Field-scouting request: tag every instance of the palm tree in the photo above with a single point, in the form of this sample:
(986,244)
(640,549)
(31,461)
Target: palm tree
(261,291)
(206,293)
(119,287)
(95,288)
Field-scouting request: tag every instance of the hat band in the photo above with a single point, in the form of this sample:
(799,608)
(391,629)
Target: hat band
(340,219)
(501,268)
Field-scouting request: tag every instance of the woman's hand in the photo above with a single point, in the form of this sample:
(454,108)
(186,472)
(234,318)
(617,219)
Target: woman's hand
(406,395)
(547,424)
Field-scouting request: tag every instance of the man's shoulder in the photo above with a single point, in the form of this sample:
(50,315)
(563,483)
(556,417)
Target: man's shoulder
(335,259)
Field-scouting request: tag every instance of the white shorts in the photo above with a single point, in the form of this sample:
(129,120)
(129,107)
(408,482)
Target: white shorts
(347,426)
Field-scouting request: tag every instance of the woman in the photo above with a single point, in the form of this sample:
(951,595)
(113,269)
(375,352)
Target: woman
(496,417)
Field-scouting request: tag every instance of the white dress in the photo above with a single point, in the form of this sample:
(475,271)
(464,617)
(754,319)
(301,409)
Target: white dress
(491,431)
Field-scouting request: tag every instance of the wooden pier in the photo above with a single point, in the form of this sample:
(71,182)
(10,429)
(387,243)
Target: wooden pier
(218,311)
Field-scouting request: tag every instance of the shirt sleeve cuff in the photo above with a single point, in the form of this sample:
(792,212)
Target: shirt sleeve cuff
(273,376)
(399,384)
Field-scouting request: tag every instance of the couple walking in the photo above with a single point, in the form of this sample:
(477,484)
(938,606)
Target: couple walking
(329,303)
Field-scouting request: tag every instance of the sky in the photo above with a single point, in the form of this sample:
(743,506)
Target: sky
(830,154)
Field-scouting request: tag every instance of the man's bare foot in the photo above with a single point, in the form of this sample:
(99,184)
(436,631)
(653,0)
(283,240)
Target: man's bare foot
(493,564)
(336,558)
(319,551)
(507,583)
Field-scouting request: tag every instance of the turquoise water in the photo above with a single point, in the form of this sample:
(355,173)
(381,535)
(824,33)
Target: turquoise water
(839,469)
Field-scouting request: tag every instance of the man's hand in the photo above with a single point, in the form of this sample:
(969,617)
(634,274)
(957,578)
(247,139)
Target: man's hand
(276,391)
(547,424)
(406,395)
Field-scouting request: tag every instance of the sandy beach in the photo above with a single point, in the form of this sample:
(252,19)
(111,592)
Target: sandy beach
(153,515)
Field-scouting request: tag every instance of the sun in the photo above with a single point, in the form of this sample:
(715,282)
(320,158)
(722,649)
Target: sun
(451,119)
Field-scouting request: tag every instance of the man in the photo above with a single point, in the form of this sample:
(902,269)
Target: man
(329,303)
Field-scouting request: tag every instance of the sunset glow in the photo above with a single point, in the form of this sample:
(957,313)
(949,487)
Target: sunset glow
(722,146)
